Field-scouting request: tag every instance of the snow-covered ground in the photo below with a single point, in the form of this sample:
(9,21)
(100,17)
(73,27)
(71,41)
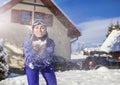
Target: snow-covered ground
(101,76)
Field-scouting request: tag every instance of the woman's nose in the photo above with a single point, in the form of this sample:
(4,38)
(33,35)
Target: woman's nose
(39,29)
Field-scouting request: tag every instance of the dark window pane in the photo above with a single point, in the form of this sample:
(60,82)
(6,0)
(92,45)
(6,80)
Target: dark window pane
(38,16)
(21,16)
(47,17)
(26,17)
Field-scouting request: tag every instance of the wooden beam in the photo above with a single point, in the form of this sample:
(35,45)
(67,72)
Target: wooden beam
(34,4)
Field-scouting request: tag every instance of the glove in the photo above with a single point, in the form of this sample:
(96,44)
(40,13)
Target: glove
(31,65)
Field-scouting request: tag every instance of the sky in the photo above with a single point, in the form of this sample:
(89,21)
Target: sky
(91,17)
(87,10)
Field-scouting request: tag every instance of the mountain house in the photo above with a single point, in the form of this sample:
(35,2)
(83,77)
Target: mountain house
(16,18)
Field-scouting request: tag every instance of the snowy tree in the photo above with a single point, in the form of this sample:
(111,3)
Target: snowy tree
(113,27)
(3,61)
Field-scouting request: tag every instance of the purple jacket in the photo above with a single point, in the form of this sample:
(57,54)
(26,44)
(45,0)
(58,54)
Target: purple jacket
(37,58)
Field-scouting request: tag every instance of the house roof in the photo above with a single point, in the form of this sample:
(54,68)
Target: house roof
(112,43)
(73,32)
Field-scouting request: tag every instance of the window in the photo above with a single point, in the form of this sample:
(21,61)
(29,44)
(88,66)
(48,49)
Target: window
(47,17)
(38,15)
(25,17)
(21,16)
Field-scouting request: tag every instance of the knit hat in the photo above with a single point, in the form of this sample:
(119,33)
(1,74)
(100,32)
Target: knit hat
(39,21)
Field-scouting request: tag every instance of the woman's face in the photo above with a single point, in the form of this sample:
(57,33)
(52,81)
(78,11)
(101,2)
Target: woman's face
(40,30)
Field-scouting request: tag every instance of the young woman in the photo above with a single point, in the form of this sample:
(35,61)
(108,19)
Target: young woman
(38,50)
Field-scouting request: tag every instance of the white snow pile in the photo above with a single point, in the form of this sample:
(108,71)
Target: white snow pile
(103,69)
(78,56)
(112,42)
(101,76)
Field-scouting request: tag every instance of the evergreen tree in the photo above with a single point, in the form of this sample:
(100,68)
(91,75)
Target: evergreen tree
(3,62)
(113,27)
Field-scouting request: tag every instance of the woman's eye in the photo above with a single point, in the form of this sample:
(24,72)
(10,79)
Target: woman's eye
(43,28)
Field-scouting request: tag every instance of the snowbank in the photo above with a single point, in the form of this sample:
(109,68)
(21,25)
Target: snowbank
(101,76)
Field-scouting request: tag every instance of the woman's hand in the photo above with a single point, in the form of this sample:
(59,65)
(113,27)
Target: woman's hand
(38,45)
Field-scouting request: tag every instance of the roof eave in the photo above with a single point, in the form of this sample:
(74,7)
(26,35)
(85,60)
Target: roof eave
(8,5)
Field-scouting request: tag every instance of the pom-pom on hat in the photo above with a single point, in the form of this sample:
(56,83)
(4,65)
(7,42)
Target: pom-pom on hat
(37,22)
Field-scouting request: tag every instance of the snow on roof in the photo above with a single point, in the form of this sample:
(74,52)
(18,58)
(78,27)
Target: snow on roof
(112,43)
